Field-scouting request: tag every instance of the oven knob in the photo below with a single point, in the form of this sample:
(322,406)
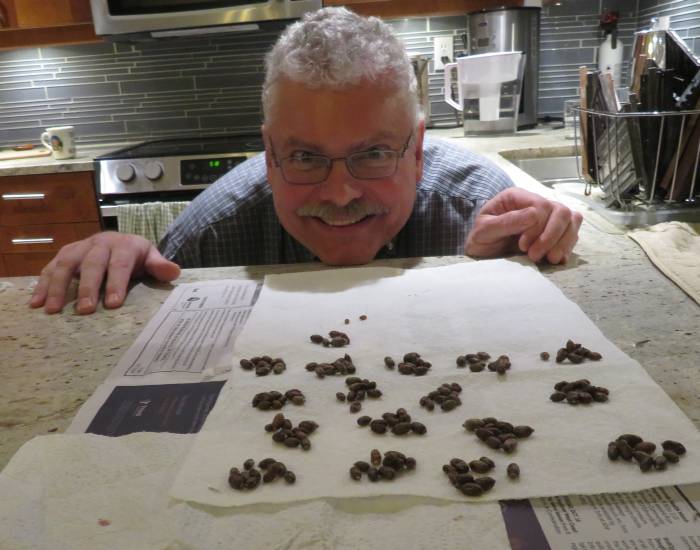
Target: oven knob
(125,172)
(153,170)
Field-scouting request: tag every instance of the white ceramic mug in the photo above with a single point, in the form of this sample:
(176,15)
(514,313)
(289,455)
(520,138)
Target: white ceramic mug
(61,141)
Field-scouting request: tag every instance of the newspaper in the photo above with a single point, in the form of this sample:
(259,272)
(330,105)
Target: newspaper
(169,378)
(192,331)
(662,518)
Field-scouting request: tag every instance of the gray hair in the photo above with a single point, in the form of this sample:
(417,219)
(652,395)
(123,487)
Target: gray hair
(335,48)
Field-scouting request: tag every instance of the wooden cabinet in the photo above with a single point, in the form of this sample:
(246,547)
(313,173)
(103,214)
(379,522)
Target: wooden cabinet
(40,13)
(8,17)
(405,8)
(41,213)
(43,22)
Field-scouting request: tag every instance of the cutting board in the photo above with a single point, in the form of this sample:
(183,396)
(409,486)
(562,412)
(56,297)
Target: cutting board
(11,154)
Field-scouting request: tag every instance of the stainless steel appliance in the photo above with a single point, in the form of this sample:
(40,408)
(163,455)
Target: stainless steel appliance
(420,68)
(509,30)
(136,19)
(167,170)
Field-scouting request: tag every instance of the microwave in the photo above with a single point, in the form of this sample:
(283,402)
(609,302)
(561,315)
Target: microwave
(153,19)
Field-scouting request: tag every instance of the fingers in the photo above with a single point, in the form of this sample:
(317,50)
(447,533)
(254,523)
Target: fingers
(92,272)
(541,228)
(555,220)
(134,255)
(55,278)
(121,265)
(495,228)
(39,295)
(493,234)
(128,257)
(561,252)
(557,239)
(160,268)
(117,256)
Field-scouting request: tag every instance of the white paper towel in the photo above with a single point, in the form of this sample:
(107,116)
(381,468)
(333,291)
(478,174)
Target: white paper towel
(497,306)
(88,492)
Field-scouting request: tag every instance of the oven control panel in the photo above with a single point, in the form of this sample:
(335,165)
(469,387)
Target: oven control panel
(176,173)
(206,170)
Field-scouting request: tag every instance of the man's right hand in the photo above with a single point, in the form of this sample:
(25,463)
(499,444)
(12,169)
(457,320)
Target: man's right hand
(119,256)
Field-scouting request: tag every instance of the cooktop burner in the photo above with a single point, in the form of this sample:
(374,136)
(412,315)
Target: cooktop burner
(173,147)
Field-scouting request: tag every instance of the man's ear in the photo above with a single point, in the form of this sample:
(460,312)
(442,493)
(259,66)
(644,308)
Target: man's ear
(420,133)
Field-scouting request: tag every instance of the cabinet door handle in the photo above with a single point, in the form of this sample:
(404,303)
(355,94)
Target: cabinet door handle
(33,240)
(23,196)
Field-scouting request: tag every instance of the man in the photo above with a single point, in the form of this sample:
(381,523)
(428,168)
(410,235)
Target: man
(346,177)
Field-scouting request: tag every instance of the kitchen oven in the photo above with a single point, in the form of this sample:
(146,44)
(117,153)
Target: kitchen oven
(167,170)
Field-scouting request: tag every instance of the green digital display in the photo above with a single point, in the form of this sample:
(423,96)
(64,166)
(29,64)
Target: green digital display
(206,170)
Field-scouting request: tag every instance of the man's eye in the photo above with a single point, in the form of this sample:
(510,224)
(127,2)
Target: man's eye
(302,156)
(376,154)
(303,160)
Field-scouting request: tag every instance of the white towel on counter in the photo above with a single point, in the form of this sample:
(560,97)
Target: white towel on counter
(150,220)
(674,248)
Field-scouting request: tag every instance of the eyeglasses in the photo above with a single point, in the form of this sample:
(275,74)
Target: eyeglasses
(304,168)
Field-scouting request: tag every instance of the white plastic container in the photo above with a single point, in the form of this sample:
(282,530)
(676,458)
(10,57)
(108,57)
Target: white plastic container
(610,59)
(483,82)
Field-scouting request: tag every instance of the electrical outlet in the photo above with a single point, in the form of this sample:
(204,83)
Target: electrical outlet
(443,46)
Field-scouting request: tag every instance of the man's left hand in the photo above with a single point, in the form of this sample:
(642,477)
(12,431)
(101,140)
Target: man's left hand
(516,219)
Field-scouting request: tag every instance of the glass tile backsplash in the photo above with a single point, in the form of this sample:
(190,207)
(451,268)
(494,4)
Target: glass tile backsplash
(128,92)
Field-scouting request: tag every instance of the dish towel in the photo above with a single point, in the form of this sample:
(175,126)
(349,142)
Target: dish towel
(674,247)
(150,220)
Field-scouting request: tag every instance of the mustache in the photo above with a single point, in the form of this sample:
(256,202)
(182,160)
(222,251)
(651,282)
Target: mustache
(354,209)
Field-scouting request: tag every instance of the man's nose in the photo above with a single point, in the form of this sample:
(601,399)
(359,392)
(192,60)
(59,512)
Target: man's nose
(340,187)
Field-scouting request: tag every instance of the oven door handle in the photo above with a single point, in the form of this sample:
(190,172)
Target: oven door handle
(108,211)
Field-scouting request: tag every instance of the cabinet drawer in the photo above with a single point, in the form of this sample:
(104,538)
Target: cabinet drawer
(48,198)
(37,13)
(48,238)
(22,265)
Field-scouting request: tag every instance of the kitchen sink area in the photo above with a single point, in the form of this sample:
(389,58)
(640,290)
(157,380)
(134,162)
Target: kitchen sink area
(562,174)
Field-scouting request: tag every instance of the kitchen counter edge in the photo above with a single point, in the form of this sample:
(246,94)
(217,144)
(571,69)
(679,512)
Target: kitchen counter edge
(541,141)
(47,165)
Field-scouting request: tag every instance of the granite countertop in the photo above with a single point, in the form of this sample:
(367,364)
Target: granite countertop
(83,162)
(51,364)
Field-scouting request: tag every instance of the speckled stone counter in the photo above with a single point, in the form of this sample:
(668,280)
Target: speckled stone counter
(49,365)
(83,162)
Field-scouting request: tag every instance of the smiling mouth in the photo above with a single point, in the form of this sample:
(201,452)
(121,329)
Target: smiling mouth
(352,214)
(343,222)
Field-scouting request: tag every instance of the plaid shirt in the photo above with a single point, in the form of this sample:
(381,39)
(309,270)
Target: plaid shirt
(233,222)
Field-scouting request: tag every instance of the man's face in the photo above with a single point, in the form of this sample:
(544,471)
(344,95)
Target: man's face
(343,220)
